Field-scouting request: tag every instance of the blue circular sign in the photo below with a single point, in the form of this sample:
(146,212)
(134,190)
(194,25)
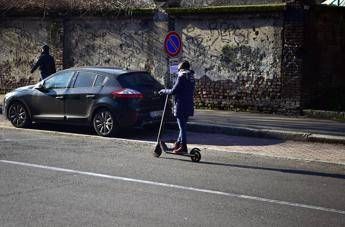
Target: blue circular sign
(173,44)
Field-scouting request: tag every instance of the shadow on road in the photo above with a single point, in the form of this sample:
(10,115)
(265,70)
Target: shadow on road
(289,171)
(150,134)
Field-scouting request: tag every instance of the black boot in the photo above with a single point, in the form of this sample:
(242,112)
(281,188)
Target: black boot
(177,145)
(181,150)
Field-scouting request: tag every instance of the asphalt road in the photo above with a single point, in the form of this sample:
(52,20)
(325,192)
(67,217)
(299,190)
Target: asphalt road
(51,179)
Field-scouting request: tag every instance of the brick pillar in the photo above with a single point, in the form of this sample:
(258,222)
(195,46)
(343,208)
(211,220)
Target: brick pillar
(292,62)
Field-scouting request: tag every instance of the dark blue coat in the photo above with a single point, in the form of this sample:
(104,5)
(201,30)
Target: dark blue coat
(46,64)
(183,90)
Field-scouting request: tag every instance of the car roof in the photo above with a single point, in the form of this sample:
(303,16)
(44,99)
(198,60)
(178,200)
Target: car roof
(108,70)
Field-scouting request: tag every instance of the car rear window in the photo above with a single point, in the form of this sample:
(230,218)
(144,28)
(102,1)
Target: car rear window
(138,79)
(106,81)
(85,79)
(99,81)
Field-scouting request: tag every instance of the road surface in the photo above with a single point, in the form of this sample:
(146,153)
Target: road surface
(52,179)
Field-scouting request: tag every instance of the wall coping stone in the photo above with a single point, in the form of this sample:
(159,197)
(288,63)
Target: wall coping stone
(262,8)
(61,12)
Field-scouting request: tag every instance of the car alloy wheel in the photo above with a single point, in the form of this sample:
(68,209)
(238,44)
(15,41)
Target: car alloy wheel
(18,115)
(103,123)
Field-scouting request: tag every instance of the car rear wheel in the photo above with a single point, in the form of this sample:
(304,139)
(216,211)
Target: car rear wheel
(18,115)
(104,123)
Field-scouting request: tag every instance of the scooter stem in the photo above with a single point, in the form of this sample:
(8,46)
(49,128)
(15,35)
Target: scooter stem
(162,120)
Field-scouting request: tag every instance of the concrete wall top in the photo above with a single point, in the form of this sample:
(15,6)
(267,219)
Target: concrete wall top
(203,3)
(75,4)
(50,8)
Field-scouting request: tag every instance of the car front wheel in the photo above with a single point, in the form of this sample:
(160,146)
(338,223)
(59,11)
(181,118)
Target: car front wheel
(104,123)
(18,115)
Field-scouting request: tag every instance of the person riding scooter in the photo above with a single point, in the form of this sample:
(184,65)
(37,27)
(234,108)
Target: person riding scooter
(183,91)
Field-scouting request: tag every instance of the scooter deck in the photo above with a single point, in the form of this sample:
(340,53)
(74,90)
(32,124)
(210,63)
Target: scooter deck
(183,154)
(169,150)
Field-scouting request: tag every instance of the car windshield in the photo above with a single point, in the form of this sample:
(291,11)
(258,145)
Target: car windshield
(137,80)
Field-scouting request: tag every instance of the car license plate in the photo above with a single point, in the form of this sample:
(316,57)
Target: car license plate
(155,114)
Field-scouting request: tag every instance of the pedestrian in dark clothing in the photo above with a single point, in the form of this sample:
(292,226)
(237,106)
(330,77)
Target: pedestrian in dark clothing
(183,90)
(45,63)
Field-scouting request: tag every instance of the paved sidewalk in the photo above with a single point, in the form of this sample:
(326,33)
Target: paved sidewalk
(268,126)
(228,141)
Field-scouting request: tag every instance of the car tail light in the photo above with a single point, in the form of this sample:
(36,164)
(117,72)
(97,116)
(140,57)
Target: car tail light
(127,93)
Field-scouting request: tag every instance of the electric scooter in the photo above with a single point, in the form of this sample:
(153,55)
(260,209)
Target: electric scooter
(194,154)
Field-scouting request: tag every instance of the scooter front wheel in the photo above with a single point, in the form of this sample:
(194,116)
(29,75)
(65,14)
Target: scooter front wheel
(196,155)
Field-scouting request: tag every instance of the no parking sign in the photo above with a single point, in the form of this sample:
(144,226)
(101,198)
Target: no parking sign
(173,44)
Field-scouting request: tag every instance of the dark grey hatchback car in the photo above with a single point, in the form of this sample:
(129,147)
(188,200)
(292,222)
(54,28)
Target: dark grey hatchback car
(108,99)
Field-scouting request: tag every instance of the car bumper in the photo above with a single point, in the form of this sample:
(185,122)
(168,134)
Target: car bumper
(137,119)
(149,118)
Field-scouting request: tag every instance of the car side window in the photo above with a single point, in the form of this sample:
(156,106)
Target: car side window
(99,81)
(85,79)
(106,81)
(59,80)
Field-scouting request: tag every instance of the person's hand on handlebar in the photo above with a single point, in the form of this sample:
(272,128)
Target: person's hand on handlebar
(161,92)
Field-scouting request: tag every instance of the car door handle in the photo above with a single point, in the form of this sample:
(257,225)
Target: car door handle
(90,96)
(59,97)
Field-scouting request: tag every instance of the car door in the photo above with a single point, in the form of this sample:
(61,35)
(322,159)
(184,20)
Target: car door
(48,102)
(81,96)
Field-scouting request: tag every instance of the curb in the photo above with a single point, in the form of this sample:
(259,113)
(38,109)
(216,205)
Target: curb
(262,133)
(324,114)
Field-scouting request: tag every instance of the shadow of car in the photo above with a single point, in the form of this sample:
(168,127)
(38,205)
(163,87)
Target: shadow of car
(104,98)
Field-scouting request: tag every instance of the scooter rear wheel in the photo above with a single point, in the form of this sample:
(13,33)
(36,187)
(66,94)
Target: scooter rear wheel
(158,151)
(196,155)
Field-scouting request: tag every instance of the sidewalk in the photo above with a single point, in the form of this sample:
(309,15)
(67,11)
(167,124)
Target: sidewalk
(267,126)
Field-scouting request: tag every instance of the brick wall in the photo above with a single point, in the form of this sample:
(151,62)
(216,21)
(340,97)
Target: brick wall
(292,58)
(228,95)
(324,77)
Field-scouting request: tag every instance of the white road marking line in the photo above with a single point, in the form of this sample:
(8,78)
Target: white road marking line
(18,140)
(248,197)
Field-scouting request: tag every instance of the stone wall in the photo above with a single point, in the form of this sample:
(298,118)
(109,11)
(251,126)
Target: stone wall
(20,42)
(129,43)
(250,59)
(237,60)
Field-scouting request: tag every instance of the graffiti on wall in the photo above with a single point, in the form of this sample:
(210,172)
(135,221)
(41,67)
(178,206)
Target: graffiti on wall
(126,43)
(229,49)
